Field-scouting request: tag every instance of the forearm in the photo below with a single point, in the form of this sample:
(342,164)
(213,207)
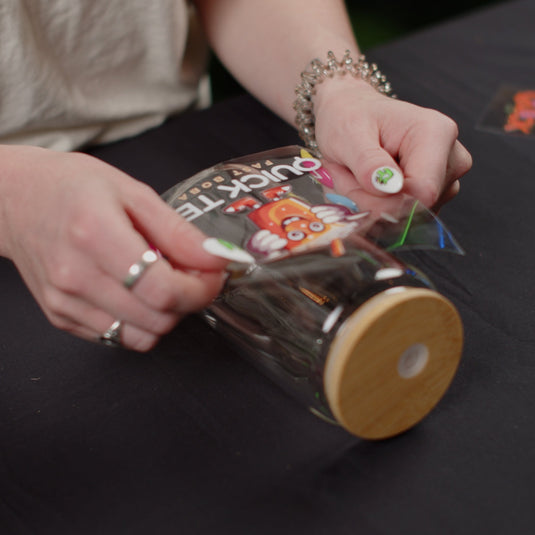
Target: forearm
(266,45)
(13,192)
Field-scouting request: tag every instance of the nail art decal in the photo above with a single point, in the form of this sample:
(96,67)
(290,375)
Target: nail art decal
(387,180)
(227,250)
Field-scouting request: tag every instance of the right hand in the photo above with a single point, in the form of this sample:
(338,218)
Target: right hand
(73,225)
(361,132)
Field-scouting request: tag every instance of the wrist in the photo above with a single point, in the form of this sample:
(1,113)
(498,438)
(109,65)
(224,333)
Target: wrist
(318,74)
(336,87)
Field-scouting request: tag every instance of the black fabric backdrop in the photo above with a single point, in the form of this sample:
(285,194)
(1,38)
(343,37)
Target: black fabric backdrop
(191,439)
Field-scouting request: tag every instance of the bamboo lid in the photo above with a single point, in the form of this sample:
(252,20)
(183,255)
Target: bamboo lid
(392,361)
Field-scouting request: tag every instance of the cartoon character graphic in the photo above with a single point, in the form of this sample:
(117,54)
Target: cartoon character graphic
(522,115)
(288,223)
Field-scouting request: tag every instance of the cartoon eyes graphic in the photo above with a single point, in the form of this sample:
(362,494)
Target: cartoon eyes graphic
(316,226)
(295,235)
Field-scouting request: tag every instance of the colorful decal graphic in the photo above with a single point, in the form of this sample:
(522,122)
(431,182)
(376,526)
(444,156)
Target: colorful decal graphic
(521,114)
(271,205)
(289,223)
(510,111)
(320,175)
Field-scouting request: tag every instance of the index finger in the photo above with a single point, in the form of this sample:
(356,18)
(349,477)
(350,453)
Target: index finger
(424,158)
(177,239)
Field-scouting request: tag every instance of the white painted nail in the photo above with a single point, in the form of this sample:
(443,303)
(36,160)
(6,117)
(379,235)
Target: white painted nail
(227,250)
(387,180)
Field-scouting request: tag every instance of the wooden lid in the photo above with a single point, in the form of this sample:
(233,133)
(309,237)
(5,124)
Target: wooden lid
(392,360)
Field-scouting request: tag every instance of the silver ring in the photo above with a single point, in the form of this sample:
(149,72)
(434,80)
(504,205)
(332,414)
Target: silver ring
(136,270)
(112,336)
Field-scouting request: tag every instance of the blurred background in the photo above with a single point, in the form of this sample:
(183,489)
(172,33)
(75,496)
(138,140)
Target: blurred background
(374,23)
(386,20)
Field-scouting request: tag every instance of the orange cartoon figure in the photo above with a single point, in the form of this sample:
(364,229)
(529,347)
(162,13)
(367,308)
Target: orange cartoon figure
(287,223)
(522,116)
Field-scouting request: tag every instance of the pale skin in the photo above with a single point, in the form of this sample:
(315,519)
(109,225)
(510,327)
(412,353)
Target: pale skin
(358,130)
(73,224)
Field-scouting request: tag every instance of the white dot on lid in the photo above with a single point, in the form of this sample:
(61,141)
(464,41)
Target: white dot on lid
(413,361)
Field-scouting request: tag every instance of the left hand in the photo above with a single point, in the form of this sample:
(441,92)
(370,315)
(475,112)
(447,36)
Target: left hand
(360,130)
(73,225)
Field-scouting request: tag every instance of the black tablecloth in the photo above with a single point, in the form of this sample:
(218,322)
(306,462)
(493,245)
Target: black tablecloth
(191,439)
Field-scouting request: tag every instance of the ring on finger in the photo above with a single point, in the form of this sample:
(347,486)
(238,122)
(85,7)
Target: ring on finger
(112,336)
(137,269)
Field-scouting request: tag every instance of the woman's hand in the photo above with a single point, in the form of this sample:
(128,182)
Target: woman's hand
(360,132)
(73,226)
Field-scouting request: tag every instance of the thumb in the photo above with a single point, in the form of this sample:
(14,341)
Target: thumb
(376,171)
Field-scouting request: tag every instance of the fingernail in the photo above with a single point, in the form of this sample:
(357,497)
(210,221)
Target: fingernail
(227,250)
(387,180)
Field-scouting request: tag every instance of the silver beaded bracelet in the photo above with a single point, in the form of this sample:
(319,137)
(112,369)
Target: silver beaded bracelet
(303,105)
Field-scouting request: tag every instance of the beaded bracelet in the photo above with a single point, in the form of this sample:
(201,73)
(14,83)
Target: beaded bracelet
(303,105)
